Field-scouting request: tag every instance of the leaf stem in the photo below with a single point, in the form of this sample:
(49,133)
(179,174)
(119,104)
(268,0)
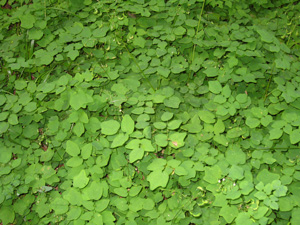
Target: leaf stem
(67,11)
(278,148)
(134,60)
(194,47)
(269,82)
(6,92)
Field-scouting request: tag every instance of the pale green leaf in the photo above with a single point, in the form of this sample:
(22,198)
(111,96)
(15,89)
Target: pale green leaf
(127,124)
(110,127)
(72,148)
(157,179)
(81,180)
(214,86)
(119,140)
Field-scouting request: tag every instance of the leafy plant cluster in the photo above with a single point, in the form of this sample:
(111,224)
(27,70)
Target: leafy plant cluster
(149,112)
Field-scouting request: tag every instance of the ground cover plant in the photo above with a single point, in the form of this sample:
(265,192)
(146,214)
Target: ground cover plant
(149,112)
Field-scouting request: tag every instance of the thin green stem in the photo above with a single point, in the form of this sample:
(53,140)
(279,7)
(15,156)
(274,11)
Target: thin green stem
(67,11)
(289,38)
(6,92)
(194,47)
(29,52)
(279,148)
(134,60)
(269,82)
(102,67)
(273,66)
(186,205)
(46,73)
(45,5)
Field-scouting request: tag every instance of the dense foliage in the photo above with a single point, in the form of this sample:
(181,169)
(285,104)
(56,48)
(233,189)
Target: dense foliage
(149,112)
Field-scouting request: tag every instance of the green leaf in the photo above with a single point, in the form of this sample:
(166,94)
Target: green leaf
(194,126)
(166,116)
(191,23)
(163,71)
(47,155)
(219,127)
(2,99)
(136,154)
(73,196)
(260,213)
(101,205)
(246,187)
(30,107)
(72,148)
(275,133)
(119,140)
(229,213)
(236,172)
(265,121)
(172,102)
(181,171)
(93,125)
(72,54)
(179,30)
(235,132)
(22,204)
(27,21)
(94,191)
(220,200)
(78,100)
(76,28)
(266,36)
(177,139)
(60,206)
(108,217)
(110,127)
(13,119)
(232,61)
(161,140)
(212,174)
(157,164)
(3,116)
(86,151)
(295,136)
(160,125)
(127,124)
(78,129)
(211,72)
(81,180)
(235,156)
(31,131)
(20,84)
(242,98)
(243,218)
(74,161)
(7,215)
(221,139)
(286,204)
(252,122)
(43,57)
(283,63)
(139,41)
(174,124)
(206,116)
(147,145)
(121,192)
(74,213)
(100,32)
(215,86)
(267,177)
(157,179)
